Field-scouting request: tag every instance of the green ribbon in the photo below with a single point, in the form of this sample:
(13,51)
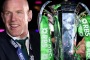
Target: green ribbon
(46,45)
(57,34)
(84,29)
(87,40)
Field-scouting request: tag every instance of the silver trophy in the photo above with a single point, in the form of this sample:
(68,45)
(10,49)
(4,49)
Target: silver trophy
(69,29)
(64,23)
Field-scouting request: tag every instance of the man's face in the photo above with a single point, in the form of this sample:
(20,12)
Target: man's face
(16,16)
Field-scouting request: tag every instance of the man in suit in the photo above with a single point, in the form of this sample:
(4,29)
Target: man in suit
(16,15)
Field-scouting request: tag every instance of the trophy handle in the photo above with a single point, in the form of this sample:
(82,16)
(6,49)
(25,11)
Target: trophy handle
(41,12)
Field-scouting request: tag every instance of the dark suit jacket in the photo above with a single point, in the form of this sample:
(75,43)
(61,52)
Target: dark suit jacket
(8,52)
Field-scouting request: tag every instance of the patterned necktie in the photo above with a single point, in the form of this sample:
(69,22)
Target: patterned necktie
(23,47)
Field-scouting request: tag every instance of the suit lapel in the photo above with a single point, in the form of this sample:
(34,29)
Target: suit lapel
(35,44)
(9,50)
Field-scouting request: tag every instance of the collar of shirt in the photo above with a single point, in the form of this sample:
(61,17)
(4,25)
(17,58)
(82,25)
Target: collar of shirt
(27,41)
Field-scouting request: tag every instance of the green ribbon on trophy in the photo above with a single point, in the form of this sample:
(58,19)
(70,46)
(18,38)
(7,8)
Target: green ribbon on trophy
(84,26)
(45,38)
(46,45)
(84,30)
(57,34)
